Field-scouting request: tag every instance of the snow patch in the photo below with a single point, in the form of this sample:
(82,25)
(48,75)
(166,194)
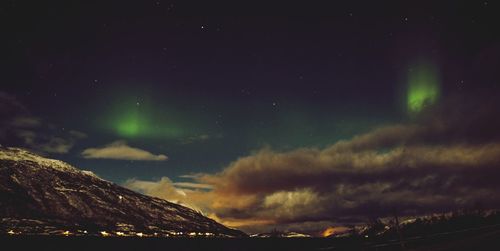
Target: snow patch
(17,154)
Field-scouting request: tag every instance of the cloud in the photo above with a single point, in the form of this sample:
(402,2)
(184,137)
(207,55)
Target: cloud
(55,145)
(77,134)
(196,138)
(48,143)
(191,175)
(121,151)
(181,193)
(26,122)
(9,105)
(192,185)
(18,127)
(445,160)
(199,138)
(309,185)
(164,188)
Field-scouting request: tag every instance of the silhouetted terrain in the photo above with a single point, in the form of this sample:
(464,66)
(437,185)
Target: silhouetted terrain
(45,196)
(460,230)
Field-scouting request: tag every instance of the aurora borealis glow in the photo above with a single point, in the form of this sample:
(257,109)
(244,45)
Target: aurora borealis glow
(423,87)
(136,125)
(132,119)
(130,125)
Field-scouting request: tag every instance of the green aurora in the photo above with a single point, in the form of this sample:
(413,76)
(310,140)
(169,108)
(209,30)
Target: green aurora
(423,87)
(131,119)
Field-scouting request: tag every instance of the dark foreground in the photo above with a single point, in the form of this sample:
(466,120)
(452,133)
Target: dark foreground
(484,238)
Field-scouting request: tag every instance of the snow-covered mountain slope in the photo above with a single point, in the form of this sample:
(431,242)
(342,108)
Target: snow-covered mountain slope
(44,196)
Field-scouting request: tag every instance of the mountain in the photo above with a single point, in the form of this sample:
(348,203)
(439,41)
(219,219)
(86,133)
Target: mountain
(46,196)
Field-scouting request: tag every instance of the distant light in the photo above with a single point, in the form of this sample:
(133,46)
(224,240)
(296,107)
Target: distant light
(140,234)
(66,233)
(120,234)
(11,232)
(104,234)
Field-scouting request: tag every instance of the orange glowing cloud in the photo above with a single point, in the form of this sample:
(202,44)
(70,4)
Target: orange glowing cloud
(330,231)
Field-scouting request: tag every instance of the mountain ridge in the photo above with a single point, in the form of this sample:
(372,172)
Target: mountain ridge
(43,196)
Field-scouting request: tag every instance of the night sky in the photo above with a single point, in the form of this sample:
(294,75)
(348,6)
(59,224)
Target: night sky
(261,115)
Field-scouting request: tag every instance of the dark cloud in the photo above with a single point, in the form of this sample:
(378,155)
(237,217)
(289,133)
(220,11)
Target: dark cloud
(446,159)
(19,127)
(10,106)
(458,120)
(328,184)
(196,138)
(199,138)
(25,122)
(52,144)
